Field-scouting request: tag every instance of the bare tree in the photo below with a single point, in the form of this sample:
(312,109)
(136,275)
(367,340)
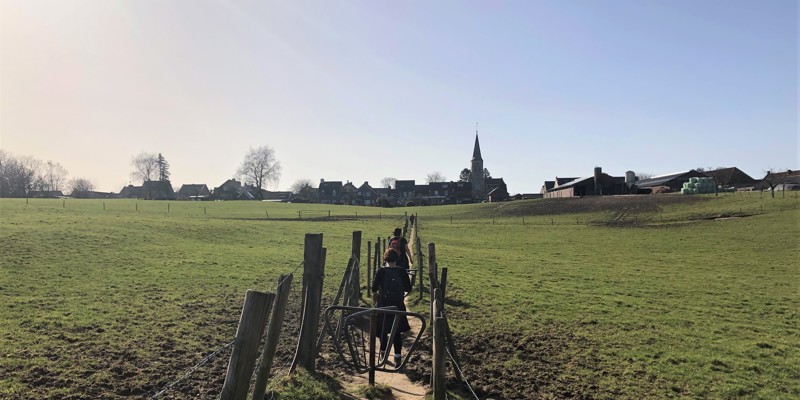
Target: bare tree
(80,187)
(145,167)
(304,189)
(388,182)
(435,176)
(53,177)
(259,167)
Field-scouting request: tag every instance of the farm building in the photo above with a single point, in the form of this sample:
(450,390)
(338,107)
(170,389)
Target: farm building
(157,190)
(193,191)
(275,196)
(90,194)
(599,184)
(731,177)
(673,181)
(130,192)
(150,190)
(787,180)
(46,194)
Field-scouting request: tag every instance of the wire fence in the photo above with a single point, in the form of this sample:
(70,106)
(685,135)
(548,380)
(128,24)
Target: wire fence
(283,356)
(290,331)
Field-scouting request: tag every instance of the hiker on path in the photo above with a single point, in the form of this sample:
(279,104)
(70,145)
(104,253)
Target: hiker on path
(388,289)
(399,244)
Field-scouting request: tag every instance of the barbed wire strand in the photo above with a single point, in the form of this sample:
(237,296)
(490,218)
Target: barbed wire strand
(197,366)
(192,370)
(463,378)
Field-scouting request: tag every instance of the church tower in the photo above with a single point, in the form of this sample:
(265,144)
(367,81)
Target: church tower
(477,178)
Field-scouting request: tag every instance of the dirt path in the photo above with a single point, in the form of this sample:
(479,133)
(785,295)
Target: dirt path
(402,387)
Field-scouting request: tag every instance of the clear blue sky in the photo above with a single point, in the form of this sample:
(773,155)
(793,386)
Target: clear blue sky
(361,90)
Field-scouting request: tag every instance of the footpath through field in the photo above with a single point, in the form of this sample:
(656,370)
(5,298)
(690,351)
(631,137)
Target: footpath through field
(402,387)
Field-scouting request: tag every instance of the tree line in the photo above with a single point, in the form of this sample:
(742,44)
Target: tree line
(21,175)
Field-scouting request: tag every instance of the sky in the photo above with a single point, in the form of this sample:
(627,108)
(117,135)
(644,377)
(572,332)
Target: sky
(362,90)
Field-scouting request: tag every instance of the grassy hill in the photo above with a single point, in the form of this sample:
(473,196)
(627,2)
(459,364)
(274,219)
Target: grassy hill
(627,297)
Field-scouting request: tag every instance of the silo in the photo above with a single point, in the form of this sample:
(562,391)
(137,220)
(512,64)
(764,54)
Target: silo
(598,190)
(630,178)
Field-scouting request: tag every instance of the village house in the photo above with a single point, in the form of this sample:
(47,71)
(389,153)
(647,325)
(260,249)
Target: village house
(330,192)
(365,195)
(232,190)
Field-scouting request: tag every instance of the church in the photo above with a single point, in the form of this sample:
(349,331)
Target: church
(485,188)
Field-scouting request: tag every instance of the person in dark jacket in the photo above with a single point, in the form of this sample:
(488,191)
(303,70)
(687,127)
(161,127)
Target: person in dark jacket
(389,287)
(400,244)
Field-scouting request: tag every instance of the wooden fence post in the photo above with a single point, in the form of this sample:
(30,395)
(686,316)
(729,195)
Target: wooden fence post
(439,352)
(245,346)
(432,274)
(369,265)
(443,283)
(313,273)
(356,254)
(419,264)
(273,334)
(343,287)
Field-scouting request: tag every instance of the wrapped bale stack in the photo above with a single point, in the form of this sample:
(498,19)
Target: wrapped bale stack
(701,185)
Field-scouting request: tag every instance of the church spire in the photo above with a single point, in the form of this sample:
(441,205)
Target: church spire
(476,152)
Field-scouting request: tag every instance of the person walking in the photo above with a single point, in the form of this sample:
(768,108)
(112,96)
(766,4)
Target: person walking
(399,244)
(389,287)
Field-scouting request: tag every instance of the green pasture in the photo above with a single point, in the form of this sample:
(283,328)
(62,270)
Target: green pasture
(545,301)
(680,305)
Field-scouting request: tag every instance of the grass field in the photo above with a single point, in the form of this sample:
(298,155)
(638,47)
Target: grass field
(636,297)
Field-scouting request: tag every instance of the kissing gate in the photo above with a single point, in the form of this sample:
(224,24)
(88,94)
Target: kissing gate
(347,322)
(357,327)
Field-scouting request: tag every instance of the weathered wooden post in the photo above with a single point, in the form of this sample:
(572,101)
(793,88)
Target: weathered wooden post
(369,265)
(405,225)
(373,326)
(356,254)
(313,274)
(439,352)
(245,346)
(419,263)
(432,274)
(342,291)
(273,334)
(443,283)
